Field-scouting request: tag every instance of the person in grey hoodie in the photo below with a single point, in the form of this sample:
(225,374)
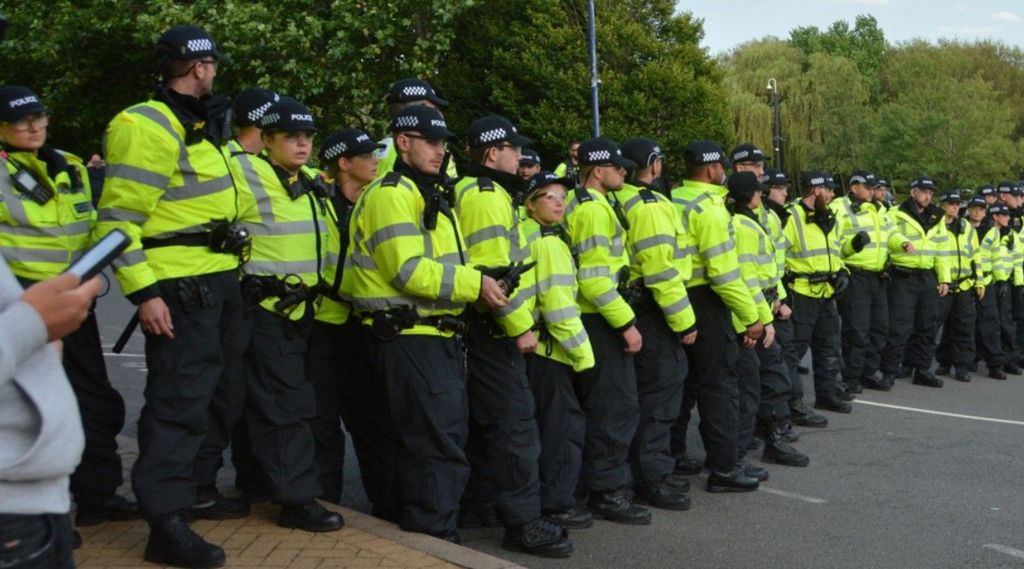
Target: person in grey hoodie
(41,437)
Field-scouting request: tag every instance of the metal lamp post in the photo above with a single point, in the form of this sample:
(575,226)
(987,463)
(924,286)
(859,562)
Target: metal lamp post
(773,88)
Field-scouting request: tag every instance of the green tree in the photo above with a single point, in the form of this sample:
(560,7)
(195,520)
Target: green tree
(91,59)
(864,44)
(656,80)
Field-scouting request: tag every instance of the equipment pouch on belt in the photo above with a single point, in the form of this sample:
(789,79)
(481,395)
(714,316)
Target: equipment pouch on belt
(388,324)
(226,237)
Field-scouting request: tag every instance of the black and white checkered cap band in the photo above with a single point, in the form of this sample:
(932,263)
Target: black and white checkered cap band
(493,135)
(415,91)
(745,154)
(269,119)
(818,181)
(598,155)
(407,121)
(199,44)
(711,157)
(257,113)
(1004,189)
(858,180)
(335,151)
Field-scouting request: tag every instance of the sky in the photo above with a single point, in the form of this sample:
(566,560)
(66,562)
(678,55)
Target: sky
(732,22)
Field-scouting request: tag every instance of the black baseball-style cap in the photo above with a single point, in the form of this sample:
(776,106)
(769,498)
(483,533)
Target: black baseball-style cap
(986,190)
(815,178)
(701,152)
(425,120)
(529,158)
(747,152)
(17,102)
(922,183)
(412,89)
(999,209)
(950,197)
(1004,187)
(977,202)
(643,151)
(347,142)
(863,177)
(775,177)
(494,130)
(185,42)
(602,151)
(249,105)
(542,179)
(287,115)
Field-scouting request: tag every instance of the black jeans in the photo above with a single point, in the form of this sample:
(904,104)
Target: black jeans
(39,541)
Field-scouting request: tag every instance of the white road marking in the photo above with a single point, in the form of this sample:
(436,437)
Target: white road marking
(113,355)
(1004,549)
(942,413)
(800,497)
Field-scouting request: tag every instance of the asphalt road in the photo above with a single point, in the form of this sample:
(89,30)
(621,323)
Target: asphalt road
(887,487)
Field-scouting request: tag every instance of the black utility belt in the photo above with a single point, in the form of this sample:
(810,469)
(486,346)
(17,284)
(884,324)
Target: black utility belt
(224,237)
(813,278)
(187,240)
(389,324)
(289,292)
(908,272)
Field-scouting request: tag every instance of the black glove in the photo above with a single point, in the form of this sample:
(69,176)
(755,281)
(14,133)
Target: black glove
(860,241)
(840,283)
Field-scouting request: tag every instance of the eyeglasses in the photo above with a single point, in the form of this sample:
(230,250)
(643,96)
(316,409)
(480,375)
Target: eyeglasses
(212,62)
(557,197)
(504,145)
(431,142)
(37,120)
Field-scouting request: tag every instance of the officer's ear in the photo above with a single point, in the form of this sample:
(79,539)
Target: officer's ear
(402,142)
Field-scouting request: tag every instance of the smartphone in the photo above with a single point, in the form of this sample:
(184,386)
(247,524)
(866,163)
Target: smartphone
(97,257)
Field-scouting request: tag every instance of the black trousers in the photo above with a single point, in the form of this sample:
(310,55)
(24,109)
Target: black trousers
(280,404)
(425,382)
(608,395)
(956,313)
(661,368)
(748,370)
(784,338)
(988,331)
(816,326)
(1018,318)
(1007,325)
(102,409)
(913,321)
(184,374)
(504,460)
(864,309)
(325,368)
(712,381)
(562,428)
(775,382)
(41,541)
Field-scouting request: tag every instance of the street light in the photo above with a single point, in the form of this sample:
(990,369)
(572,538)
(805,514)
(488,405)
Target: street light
(594,81)
(773,88)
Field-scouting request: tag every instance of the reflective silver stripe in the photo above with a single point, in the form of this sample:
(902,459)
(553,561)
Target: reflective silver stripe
(748,258)
(677,307)
(391,232)
(685,251)
(698,273)
(717,250)
(450,259)
(606,298)
(940,238)
(647,243)
(594,272)
(33,255)
(758,297)
(580,338)
(470,186)
(516,302)
(70,230)
(138,175)
(129,259)
(561,314)
(198,189)
(804,254)
(555,280)
(666,275)
(379,303)
(279,267)
(752,283)
(725,279)
(121,215)
(593,242)
(259,191)
(481,235)
(283,228)
(406,271)
(447,283)
(946,253)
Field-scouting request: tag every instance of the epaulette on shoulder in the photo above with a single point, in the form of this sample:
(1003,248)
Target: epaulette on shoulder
(647,195)
(391,179)
(485,184)
(582,195)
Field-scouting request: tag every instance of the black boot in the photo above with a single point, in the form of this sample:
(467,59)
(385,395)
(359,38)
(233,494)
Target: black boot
(113,509)
(789,434)
(1011,368)
(996,373)
(926,378)
(832,403)
(960,374)
(619,508)
(733,481)
(540,537)
(664,496)
(687,466)
(172,542)
(906,372)
(802,416)
(776,450)
(942,370)
(754,471)
(885,383)
(310,516)
(571,518)
(212,505)
(678,482)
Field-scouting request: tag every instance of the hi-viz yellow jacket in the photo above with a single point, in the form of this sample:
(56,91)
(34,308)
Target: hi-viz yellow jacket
(159,187)
(332,308)
(387,156)
(756,253)
(771,217)
(964,256)
(927,233)
(813,250)
(552,301)
(712,251)
(288,216)
(1018,252)
(396,259)
(854,216)
(39,241)
(655,236)
(600,244)
(490,228)
(997,254)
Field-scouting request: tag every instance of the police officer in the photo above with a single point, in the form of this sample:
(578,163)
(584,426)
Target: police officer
(920,277)
(504,445)
(1013,198)
(773,216)
(404,93)
(715,288)
(864,307)
(608,391)
(956,309)
(287,212)
(337,363)
(1010,261)
(756,251)
(988,193)
(571,166)
(407,277)
(816,273)
(46,217)
(664,318)
(529,164)
(993,254)
(169,188)
(564,351)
